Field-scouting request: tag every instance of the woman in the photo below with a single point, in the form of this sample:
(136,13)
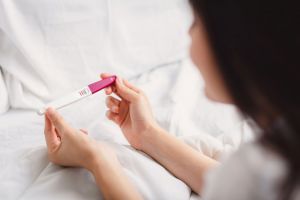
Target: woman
(247,54)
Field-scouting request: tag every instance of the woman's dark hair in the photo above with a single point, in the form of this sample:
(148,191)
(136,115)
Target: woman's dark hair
(256,44)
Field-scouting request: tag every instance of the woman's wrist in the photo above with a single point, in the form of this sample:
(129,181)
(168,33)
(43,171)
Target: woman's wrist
(149,135)
(100,156)
(94,163)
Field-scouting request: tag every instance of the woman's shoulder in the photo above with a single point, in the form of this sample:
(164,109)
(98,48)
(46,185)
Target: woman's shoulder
(253,172)
(259,159)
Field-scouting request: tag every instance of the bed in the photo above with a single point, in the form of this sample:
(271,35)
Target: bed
(214,129)
(52,47)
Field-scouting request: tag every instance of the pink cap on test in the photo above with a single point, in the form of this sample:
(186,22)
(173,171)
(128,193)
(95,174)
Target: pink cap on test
(99,85)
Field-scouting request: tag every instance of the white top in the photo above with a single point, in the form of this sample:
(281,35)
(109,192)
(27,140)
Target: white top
(253,172)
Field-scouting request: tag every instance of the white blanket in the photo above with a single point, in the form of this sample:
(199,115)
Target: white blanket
(48,48)
(175,93)
(51,47)
(3,94)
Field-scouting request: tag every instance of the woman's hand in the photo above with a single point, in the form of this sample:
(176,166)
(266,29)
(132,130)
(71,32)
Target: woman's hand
(132,113)
(70,147)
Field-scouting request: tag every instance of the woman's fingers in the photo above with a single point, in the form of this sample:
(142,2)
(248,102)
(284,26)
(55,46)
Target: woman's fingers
(113,116)
(124,89)
(125,92)
(113,104)
(131,86)
(57,120)
(109,90)
(105,75)
(52,140)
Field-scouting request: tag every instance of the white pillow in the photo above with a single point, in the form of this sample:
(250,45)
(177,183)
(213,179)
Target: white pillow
(55,46)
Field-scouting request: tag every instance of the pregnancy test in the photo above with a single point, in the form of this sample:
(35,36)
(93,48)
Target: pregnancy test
(79,94)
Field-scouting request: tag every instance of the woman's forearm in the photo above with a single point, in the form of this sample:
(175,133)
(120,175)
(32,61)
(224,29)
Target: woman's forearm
(112,181)
(180,159)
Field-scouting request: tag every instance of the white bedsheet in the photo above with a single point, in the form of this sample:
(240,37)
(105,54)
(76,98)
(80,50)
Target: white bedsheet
(47,46)
(175,93)
(4,96)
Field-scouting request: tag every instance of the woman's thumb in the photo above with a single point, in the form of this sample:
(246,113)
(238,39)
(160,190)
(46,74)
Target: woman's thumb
(56,119)
(124,91)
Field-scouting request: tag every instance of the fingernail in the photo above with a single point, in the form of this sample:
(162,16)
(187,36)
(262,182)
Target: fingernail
(52,110)
(49,110)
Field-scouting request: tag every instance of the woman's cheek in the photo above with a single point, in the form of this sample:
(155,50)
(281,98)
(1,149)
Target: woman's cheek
(195,49)
(203,58)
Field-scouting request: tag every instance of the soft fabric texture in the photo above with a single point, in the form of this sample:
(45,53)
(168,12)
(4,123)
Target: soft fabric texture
(43,180)
(4,104)
(27,174)
(49,47)
(253,172)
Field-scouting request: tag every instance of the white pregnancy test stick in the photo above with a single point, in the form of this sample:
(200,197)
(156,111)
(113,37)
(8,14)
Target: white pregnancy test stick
(79,94)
